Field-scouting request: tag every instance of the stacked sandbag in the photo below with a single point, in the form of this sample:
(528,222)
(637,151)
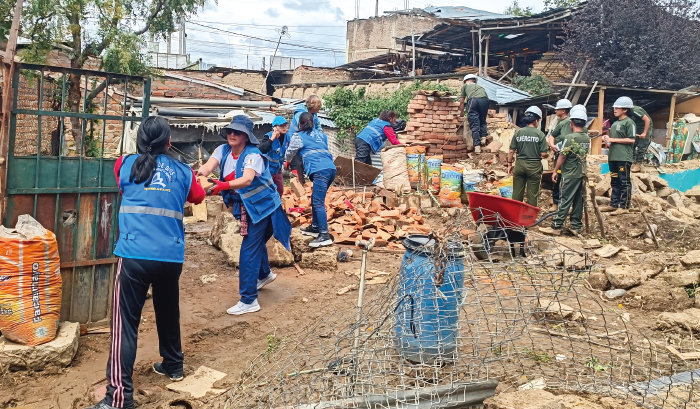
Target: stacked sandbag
(394,169)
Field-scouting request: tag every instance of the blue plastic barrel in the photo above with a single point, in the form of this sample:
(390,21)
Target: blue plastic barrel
(428,306)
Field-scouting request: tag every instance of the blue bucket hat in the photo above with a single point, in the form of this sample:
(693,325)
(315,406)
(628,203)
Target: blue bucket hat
(279,120)
(243,124)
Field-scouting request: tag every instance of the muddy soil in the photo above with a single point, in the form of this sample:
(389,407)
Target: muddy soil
(210,337)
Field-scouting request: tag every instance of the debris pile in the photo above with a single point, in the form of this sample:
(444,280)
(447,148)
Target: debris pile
(362,215)
(435,121)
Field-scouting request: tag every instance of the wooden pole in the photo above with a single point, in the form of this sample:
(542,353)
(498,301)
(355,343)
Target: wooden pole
(486,57)
(596,210)
(473,48)
(671,114)
(8,67)
(596,143)
(480,53)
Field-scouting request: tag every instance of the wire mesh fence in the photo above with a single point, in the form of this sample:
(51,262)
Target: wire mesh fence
(473,305)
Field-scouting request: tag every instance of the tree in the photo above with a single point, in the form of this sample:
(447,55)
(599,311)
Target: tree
(109,29)
(515,10)
(640,43)
(555,4)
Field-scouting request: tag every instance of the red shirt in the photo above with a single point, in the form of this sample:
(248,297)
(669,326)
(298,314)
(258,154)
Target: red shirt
(196,194)
(391,136)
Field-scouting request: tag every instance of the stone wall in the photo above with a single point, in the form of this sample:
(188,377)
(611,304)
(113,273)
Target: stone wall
(372,87)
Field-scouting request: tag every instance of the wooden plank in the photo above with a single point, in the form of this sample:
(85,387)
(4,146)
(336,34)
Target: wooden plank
(364,173)
(671,114)
(104,245)
(597,143)
(86,218)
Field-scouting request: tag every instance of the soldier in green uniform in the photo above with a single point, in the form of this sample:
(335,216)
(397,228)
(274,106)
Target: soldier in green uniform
(477,108)
(572,163)
(530,144)
(642,122)
(620,156)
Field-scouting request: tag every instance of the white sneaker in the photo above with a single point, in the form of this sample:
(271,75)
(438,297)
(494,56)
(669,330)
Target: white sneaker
(267,280)
(477,149)
(243,308)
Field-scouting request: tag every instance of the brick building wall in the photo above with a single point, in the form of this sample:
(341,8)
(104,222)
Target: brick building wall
(434,119)
(27,136)
(374,88)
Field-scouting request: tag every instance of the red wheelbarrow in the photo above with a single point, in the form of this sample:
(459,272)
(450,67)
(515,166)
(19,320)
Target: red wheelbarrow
(507,219)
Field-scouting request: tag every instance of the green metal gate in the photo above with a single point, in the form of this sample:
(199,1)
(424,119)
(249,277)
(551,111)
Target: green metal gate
(61,158)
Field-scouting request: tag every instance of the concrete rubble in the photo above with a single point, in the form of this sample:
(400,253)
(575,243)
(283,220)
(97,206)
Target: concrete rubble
(52,355)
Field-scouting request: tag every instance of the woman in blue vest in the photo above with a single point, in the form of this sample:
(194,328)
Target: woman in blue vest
(151,250)
(272,147)
(247,187)
(374,135)
(312,146)
(312,105)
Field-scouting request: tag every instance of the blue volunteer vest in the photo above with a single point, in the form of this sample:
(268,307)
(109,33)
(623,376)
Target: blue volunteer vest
(373,134)
(275,157)
(150,217)
(314,153)
(260,198)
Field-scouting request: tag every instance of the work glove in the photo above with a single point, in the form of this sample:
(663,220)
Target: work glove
(219,186)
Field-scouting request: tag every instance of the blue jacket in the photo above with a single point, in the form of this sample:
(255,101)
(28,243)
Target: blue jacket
(373,134)
(150,217)
(275,157)
(260,198)
(314,152)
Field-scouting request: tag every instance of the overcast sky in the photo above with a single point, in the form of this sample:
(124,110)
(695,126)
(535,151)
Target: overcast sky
(221,34)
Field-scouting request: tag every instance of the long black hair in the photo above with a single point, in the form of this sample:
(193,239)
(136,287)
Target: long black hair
(152,139)
(306,122)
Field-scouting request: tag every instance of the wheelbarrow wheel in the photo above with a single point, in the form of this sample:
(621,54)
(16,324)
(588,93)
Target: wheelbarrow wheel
(480,246)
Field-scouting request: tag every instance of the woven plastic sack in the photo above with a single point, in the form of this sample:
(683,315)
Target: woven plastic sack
(505,186)
(450,186)
(433,165)
(471,178)
(394,169)
(415,162)
(30,283)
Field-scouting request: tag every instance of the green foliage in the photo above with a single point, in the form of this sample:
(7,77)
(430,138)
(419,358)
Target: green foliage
(596,365)
(352,110)
(534,84)
(576,150)
(515,10)
(127,57)
(273,343)
(6,10)
(538,356)
(555,4)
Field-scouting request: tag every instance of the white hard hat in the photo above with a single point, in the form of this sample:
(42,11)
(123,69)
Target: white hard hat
(535,110)
(469,77)
(578,112)
(623,102)
(563,104)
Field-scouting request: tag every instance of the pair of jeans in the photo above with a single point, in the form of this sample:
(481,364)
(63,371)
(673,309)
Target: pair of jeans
(362,151)
(278,180)
(478,108)
(132,279)
(621,184)
(322,180)
(254,264)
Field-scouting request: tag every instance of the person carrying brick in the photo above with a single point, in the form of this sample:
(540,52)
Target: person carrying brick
(530,145)
(572,163)
(246,187)
(477,108)
(643,123)
(151,251)
(620,156)
(271,146)
(312,146)
(371,139)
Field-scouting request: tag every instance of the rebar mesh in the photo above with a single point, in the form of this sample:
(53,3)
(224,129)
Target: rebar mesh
(428,341)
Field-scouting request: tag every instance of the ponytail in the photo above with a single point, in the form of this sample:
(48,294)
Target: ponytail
(152,140)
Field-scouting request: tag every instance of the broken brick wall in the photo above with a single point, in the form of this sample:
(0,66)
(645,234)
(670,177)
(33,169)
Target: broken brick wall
(435,119)
(372,88)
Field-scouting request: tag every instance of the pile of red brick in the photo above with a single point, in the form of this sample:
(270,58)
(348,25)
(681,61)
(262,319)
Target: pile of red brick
(357,215)
(434,119)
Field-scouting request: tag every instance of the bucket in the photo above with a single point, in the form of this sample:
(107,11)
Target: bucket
(427,311)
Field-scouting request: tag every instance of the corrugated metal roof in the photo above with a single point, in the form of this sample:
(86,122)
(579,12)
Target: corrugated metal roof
(464,13)
(501,94)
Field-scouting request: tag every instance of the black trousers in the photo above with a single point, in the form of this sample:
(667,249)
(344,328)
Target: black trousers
(132,280)
(478,108)
(556,185)
(362,151)
(621,184)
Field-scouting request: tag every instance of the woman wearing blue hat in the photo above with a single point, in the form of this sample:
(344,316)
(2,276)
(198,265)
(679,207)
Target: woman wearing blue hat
(247,187)
(273,147)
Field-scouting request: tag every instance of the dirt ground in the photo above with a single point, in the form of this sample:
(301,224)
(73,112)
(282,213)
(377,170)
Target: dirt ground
(228,344)
(210,337)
